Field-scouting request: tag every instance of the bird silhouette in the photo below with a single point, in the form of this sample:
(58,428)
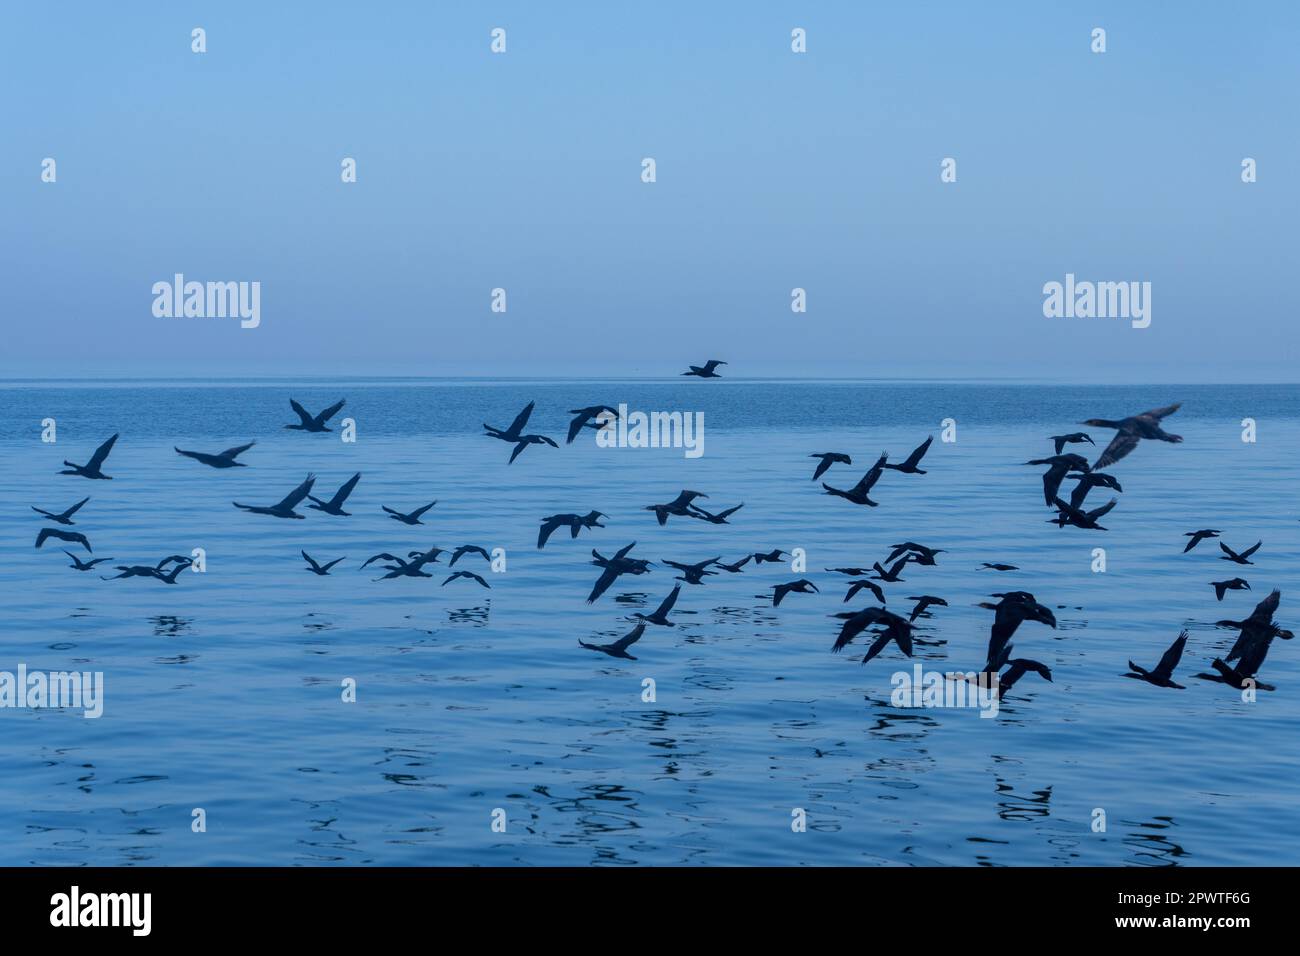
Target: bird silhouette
(84,565)
(63,517)
(74,537)
(584,418)
(91,469)
(573,522)
(1162,674)
(707,370)
(618,648)
(858,493)
(284,507)
(827,459)
(1199,536)
(908,465)
(468,575)
(313,423)
(411,518)
(1232,584)
(1129,431)
(1243,557)
(335,505)
(224,459)
(315,568)
(660,615)
(802,586)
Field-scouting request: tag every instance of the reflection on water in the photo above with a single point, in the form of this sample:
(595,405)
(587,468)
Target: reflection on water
(226,690)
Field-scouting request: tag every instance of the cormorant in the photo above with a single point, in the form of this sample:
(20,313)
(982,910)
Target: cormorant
(770,557)
(1069,514)
(693,573)
(64,517)
(1243,558)
(858,493)
(284,507)
(997,567)
(719,518)
(1015,608)
(803,586)
(829,458)
(855,622)
(1233,584)
(465,574)
(1058,465)
(620,563)
(1089,480)
(412,518)
(735,568)
(1163,673)
(707,370)
(924,601)
(225,459)
(920,553)
(679,506)
(908,465)
(91,469)
(1199,536)
(660,615)
(856,586)
(465,549)
(584,419)
(314,423)
(321,569)
(619,647)
(574,522)
(892,575)
(84,565)
(75,537)
(1074,438)
(1129,431)
(335,505)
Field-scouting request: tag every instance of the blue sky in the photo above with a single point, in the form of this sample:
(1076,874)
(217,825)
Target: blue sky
(775,170)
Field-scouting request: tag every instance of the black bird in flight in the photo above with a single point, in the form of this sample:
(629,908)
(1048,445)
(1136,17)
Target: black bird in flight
(919,552)
(1089,480)
(997,567)
(908,465)
(895,627)
(829,458)
(1129,431)
(719,518)
(1074,438)
(575,523)
(225,459)
(465,549)
(75,537)
(64,517)
(1017,668)
(680,506)
(314,423)
(1199,536)
(923,602)
(769,557)
(803,586)
(619,564)
(413,568)
(1068,514)
(660,615)
(1162,675)
(858,493)
(892,575)
(735,568)
(1058,465)
(144,571)
(335,505)
(1014,609)
(412,518)
(856,586)
(619,648)
(515,434)
(1243,558)
(850,572)
(91,469)
(693,573)
(707,370)
(470,575)
(1251,647)
(1233,584)
(585,418)
(284,507)
(84,565)
(315,568)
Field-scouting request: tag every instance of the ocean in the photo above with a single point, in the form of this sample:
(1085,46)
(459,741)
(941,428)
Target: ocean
(482,733)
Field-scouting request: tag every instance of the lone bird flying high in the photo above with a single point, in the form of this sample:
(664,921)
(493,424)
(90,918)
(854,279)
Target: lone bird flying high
(707,370)
(91,469)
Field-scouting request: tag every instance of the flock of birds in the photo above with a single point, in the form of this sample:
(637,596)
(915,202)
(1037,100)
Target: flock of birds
(1238,668)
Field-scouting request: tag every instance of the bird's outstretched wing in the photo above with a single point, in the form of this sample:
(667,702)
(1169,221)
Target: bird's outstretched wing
(1169,660)
(1159,413)
(100,454)
(627,640)
(915,458)
(301,412)
(669,601)
(548,528)
(330,412)
(293,498)
(1120,445)
(607,577)
(521,420)
(234,452)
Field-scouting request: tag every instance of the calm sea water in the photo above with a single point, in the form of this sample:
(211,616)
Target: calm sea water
(224,691)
